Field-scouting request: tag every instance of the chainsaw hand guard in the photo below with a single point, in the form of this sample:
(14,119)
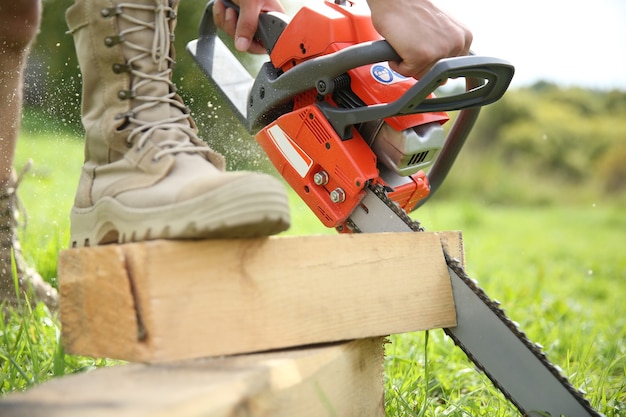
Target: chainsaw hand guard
(222,67)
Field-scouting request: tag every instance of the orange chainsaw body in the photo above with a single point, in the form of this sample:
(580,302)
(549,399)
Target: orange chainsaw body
(330,173)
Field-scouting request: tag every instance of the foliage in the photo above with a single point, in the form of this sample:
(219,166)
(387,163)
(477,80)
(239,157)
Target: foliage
(612,169)
(569,134)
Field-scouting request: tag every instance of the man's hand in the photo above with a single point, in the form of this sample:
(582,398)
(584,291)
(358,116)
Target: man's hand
(243,27)
(420,33)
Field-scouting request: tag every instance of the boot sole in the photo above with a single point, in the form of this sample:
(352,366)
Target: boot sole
(253,206)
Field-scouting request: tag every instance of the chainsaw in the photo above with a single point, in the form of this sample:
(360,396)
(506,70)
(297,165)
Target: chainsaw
(364,146)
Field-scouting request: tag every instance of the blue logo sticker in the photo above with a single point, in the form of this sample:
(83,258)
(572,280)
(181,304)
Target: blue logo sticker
(385,75)
(382,74)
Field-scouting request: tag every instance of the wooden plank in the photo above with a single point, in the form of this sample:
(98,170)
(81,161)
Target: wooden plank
(344,379)
(169,300)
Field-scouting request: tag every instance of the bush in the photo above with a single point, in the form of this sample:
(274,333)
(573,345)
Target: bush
(612,170)
(569,135)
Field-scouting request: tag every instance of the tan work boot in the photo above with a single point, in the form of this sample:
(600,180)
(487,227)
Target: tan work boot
(146,173)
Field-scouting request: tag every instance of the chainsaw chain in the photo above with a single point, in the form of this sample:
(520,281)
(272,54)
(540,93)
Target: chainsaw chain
(494,306)
(381,192)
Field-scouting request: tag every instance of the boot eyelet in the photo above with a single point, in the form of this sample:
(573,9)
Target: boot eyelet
(121,68)
(111,41)
(125,94)
(126,115)
(128,144)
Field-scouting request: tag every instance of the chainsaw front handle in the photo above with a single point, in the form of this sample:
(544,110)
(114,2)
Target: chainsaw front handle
(486,81)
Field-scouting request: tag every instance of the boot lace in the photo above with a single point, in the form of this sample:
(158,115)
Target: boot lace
(159,52)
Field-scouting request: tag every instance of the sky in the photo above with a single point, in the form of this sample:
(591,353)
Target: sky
(570,42)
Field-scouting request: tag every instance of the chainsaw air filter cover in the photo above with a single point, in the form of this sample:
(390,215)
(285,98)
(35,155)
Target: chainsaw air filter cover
(408,151)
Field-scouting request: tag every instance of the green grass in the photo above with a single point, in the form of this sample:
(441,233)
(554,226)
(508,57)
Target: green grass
(558,269)
(31,352)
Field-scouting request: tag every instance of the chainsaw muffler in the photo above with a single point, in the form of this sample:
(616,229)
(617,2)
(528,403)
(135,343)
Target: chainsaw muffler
(407,151)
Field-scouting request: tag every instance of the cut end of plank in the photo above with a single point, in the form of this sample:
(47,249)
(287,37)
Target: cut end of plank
(98,298)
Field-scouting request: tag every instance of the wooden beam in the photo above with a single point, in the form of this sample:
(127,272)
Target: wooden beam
(344,379)
(169,300)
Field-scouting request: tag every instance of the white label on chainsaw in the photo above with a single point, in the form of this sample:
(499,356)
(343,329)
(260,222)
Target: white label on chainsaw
(293,153)
(385,75)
